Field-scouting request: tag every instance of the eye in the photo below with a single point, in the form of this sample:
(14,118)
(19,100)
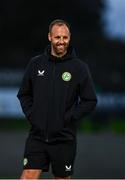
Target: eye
(57,37)
(65,37)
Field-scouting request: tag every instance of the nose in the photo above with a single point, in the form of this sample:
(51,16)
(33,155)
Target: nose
(61,40)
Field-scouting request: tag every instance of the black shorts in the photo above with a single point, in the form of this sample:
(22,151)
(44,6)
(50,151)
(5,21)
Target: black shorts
(40,155)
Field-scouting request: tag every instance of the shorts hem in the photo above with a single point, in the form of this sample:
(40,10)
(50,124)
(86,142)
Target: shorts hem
(43,169)
(62,174)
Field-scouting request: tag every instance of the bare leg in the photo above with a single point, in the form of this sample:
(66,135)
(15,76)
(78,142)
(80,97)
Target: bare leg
(31,174)
(62,178)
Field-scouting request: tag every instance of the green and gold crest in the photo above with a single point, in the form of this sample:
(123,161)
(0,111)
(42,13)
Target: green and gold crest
(66,76)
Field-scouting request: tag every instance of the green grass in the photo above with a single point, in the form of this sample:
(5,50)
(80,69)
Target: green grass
(88,125)
(14,124)
(118,127)
(115,125)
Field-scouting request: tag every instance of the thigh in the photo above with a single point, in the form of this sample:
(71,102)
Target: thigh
(31,174)
(35,156)
(62,158)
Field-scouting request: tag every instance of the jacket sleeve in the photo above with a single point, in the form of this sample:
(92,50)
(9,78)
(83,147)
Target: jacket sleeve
(86,95)
(25,93)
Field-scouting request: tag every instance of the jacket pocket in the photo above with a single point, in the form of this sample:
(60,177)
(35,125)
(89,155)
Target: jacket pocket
(67,117)
(29,116)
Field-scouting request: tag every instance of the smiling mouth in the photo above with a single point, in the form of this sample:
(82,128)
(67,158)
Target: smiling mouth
(60,46)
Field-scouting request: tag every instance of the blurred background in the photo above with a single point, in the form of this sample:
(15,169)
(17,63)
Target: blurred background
(98,35)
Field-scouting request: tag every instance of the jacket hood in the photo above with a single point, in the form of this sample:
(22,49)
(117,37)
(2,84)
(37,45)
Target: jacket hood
(69,55)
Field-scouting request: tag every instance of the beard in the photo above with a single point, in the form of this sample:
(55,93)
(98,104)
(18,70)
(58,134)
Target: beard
(60,49)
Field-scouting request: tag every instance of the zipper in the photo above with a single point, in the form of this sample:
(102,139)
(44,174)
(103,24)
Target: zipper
(51,96)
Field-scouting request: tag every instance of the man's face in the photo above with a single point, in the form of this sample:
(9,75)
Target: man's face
(59,38)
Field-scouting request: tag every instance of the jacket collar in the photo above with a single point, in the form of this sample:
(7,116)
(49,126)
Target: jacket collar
(69,55)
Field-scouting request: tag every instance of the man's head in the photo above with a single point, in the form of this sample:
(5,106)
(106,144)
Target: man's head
(59,36)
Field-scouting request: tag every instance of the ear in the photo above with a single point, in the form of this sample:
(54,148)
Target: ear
(49,37)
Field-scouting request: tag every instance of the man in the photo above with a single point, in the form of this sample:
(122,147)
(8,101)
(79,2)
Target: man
(56,92)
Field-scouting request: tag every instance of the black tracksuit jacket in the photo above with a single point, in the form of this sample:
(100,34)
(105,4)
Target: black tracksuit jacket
(52,101)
